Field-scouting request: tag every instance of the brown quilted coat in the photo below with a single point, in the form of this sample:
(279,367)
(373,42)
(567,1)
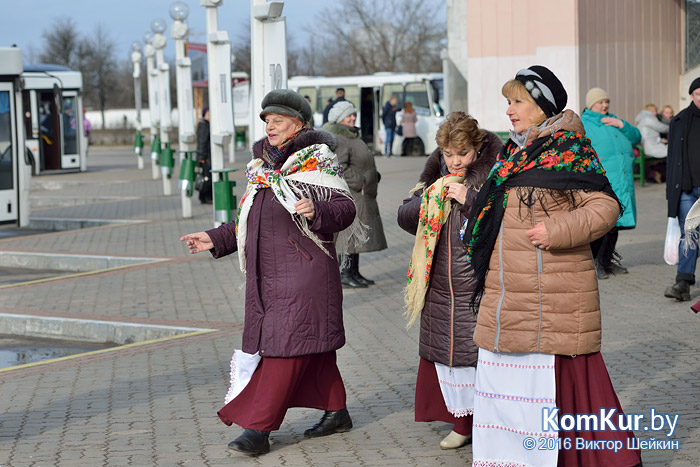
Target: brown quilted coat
(447,321)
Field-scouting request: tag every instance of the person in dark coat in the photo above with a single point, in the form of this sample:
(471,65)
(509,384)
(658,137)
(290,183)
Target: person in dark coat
(683,185)
(295,201)
(362,177)
(339,97)
(204,156)
(389,119)
(446,348)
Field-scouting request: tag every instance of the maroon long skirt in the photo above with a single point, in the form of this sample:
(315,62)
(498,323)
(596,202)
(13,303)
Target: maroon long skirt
(278,384)
(584,386)
(430,405)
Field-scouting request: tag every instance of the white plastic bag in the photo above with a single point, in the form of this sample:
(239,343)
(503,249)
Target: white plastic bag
(673,238)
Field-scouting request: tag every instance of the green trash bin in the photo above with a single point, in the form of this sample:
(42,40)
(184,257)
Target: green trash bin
(187,174)
(240,140)
(166,161)
(138,143)
(155,149)
(224,198)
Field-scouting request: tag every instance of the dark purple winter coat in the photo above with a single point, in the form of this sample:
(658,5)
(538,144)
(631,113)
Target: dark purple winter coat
(447,321)
(293,298)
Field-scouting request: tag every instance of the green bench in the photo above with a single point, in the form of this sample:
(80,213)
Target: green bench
(642,162)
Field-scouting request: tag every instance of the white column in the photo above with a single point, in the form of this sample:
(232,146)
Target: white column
(220,109)
(186,136)
(164,100)
(136,60)
(268,57)
(153,106)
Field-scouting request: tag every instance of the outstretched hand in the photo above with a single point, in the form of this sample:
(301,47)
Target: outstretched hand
(197,242)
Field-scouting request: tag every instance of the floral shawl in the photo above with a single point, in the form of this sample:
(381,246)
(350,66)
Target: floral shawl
(434,211)
(562,162)
(312,172)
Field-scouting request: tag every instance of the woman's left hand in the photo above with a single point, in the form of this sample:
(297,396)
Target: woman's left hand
(539,236)
(457,192)
(612,121)
(306,208)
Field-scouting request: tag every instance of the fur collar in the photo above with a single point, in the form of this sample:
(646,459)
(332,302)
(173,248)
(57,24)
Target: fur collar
(477,172)
(342,130)
(304,139)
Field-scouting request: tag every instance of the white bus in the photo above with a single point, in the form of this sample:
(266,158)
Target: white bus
(14,170)
(369,93)
(53,106)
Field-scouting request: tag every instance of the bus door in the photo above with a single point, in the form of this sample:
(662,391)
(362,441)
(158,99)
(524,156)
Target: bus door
(8,155)
(369,115)
(71,128)
(31,127)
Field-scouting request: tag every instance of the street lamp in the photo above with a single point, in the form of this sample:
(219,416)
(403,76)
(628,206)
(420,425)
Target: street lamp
(158,26)
(186,138)
(136,57)
(154,112)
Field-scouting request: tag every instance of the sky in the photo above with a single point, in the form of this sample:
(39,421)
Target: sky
(23,21)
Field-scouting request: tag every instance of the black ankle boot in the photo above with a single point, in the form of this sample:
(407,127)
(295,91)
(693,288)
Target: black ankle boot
(680,291)
(355,269)
(252,442)
(347,278)
(337,421)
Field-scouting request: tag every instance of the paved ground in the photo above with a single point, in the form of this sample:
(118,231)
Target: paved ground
(156,404)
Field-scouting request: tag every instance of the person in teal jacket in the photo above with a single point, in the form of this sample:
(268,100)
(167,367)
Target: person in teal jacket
(613,140)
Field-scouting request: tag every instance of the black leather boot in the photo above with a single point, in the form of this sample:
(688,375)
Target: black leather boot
(680,291)
(252,442)
(347,277)
(333,421)
(600,271)
(355,268)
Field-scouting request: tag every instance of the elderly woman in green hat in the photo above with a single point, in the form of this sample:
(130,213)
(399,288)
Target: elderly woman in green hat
(296,203)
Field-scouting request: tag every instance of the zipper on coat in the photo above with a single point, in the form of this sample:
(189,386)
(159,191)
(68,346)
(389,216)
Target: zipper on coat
(539,280)
(300,249)
(452,292)
(503,287)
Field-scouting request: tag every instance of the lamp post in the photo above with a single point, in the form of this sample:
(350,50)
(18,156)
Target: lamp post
(220,109)
(268,56)
(154,113)
(136,60)
(186,138)
(158,27)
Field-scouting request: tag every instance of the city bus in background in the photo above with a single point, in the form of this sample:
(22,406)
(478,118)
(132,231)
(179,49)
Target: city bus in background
(53,119)
(369,93)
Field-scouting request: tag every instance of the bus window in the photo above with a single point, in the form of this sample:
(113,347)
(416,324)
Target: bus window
(326,94)
(311,92)
(352,94)
(389,90)
(417,94)
(70,141)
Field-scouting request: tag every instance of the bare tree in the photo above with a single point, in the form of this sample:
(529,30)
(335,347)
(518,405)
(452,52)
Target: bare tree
(367,36)
(99,66)
(61,44)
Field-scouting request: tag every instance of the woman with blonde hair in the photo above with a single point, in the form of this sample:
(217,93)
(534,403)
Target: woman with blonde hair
(440,281)
(539,322)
